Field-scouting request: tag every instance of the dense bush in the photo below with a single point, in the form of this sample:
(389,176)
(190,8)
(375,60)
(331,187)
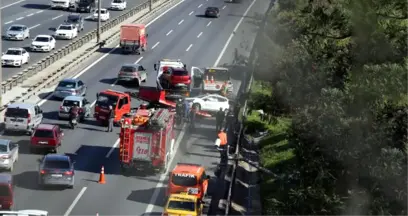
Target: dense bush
(339,68)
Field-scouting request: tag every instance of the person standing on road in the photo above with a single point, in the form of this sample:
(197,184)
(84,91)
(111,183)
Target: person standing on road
(111,117)
(219,118)
(223,146)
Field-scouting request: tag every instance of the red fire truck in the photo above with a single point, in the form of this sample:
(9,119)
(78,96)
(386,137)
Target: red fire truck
(146,139)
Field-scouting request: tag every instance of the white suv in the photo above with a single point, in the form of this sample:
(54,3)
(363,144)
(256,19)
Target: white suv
(66,31)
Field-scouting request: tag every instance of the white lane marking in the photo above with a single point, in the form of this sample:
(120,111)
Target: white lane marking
(232,34)
(200,5)
(57,17)
(71,207)
(209,23)
(20,18)
(191,13)
(169,32)
(93,103)
(155,45)
(9,5)
(28,15)
(34,26)
(40,11)
(199,34)
(116,81)
(163,176)
(104,56)
(189,47)
(8,22)
(224,7)
(113,148)
(181,22)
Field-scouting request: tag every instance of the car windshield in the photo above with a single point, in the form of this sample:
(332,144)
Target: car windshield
(4,191)
(217,74)
(182,179)
(102,11)
(3,148)
(16,113)
(56,164)
(212,8)
(65,27)
(106,100)
(128,69)
(70,103)
(42,39)
(180,72)
(13,52)
(73,19)
(66,84)
(16,28)
(180,205)
(44,133)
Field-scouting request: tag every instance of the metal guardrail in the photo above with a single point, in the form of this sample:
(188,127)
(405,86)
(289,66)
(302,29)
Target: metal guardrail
(77,43)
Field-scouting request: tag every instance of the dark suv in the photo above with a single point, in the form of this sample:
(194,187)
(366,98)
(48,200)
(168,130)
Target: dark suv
(77,20)
(56,169)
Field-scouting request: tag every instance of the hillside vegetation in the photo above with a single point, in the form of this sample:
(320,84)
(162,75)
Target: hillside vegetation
(338,71)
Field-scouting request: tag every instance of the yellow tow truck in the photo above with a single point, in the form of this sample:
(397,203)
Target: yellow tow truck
(183,204)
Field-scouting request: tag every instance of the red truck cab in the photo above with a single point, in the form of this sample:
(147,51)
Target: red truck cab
(46,137)
(119,101)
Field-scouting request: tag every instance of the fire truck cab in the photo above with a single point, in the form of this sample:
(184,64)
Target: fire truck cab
(146,139)
(188,178)
(119,101)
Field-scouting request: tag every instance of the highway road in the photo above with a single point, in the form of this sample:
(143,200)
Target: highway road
(37,15)
(179,33)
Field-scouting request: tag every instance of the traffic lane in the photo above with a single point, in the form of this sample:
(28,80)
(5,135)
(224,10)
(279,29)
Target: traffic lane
(47,28)
(133,194)
(8,3)
(12,9)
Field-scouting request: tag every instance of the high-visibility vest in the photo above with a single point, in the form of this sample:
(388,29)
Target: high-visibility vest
(223,138)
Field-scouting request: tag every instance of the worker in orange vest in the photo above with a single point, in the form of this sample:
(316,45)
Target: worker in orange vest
(223,145)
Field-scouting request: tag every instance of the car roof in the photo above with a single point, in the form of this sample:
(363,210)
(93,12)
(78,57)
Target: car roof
(73,98)
(131,65)
(46,127)
(212,7)
(21,105)
(188,168)
(74,15)
(44,36)
(15,48)
(6,178)
(56,157)
(69,80)
(4,142)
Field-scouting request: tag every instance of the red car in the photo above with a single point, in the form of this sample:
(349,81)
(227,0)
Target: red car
(47,137)
(6,191)
(180,76)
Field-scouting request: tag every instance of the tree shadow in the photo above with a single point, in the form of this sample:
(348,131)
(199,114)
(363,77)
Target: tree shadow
(82,154)
(24,146)
(29,180)
(36,6)
(135,196)
(110,50)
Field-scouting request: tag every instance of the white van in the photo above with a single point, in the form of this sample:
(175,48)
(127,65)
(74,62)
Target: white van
(22,117)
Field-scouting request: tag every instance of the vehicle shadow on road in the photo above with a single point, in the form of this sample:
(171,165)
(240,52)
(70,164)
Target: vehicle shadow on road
(29,180)
(135,196)
(36,6)
(110,50)
(108,80)
(44,95)
(82,155)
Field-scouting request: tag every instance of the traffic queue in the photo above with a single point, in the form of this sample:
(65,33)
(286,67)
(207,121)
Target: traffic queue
(147,133)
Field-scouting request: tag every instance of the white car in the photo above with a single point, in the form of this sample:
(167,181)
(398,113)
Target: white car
(209,102)
(15,57)
(105,16)
(118,5)
(43,43)
(25,213)
(66,31)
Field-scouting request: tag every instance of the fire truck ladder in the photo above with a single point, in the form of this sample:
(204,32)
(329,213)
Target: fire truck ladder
(126,143)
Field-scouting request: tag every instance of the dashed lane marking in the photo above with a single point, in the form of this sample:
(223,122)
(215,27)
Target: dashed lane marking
(20,18)
(34,26)
(191,13)
(169,32)
(54,18)
(189,47)
(209,23)
(155,45)
(199,35)
(181,22)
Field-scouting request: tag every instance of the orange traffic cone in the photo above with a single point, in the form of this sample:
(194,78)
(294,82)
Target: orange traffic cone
(102,176)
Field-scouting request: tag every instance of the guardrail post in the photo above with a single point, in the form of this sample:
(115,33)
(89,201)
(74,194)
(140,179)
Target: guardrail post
(150,5)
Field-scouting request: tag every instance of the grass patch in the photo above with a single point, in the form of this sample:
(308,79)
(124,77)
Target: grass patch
(276,152)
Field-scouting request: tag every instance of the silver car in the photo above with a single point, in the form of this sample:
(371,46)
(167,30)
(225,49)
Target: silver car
(70,87)
(69,102)
(8,154)
(17,32)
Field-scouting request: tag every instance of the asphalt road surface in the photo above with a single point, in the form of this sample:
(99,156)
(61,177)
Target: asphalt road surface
(179,33)
(38,16)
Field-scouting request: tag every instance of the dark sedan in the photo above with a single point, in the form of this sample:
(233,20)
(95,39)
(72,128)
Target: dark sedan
(212,12)
(56,169)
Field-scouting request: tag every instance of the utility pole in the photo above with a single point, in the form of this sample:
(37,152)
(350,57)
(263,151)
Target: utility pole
(98,34)
(150,5)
